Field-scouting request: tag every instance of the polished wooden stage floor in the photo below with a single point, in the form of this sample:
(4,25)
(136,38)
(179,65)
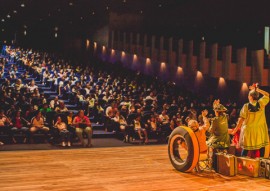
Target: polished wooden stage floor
(114,169)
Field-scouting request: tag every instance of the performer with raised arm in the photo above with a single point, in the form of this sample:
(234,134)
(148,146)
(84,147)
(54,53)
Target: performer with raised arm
(252,122)
(200,130)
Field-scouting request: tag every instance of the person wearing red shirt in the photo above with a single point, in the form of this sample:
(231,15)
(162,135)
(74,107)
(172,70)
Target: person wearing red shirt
(20,125)
(83,124)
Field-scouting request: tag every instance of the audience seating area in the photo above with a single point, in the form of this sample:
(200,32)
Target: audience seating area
(119,103)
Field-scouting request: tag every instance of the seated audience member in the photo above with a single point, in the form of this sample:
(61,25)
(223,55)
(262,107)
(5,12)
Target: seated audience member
(32,86)
(82,124)
(4,125)
(70,125)
(38,124)
(54,103)
(138,126)
(164,118)
(18,85)
(20,125)
(200,130)
(165,122)
(65,135)
(45,109)
(61,108)
(152,123)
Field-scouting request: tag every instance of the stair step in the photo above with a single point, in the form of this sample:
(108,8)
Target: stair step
(103,134)
(98,126)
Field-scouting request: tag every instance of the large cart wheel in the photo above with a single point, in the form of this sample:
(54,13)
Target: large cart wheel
(183,149)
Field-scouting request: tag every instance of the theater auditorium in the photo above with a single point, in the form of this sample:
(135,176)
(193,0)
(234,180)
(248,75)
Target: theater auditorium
(115,95)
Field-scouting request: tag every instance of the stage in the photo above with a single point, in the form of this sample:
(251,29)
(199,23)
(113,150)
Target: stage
(108,169)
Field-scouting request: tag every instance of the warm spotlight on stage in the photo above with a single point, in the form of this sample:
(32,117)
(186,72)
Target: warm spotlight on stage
(87,44)
(221,82)
(162,67)
(123,54)
(244,91)
(179,71)
(112,52)
(148,62)
(135,58)
(103,49)
(199,76)
(244,88)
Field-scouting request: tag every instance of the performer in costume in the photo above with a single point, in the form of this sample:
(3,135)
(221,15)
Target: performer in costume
(219,138)
(200,130)
(252,121)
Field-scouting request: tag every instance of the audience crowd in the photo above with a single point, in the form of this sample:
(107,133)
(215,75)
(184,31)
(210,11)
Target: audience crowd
(41,94)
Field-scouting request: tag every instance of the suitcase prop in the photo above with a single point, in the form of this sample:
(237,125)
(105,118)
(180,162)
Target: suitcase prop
(226,164)
(264,169)
(267,169)
(248,166)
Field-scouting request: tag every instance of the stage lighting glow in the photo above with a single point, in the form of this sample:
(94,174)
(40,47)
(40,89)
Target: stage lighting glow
(221,82)
(135,58)
(112,52)
(199,76)
(123,54)
(87,43)
(244,87)
(179,70)
(148,62)
(162,66)
(103,49)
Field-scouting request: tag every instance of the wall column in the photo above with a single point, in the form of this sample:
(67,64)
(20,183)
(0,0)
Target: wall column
(138,44)
(145,54)
(153,48)
(190,66)
(119,47)
(201,60)
(111,44)
(161,48)
(213,60)
(226,61)
(130,49)
(124,41)
(179,53)
(257,59)
(241,64)
(170,52)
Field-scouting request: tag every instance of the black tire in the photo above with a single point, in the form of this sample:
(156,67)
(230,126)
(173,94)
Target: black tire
(193,151)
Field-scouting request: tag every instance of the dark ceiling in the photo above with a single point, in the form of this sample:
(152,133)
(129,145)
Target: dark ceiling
(83,17)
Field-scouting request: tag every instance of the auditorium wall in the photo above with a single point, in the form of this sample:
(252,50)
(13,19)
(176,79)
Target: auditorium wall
(242,65)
